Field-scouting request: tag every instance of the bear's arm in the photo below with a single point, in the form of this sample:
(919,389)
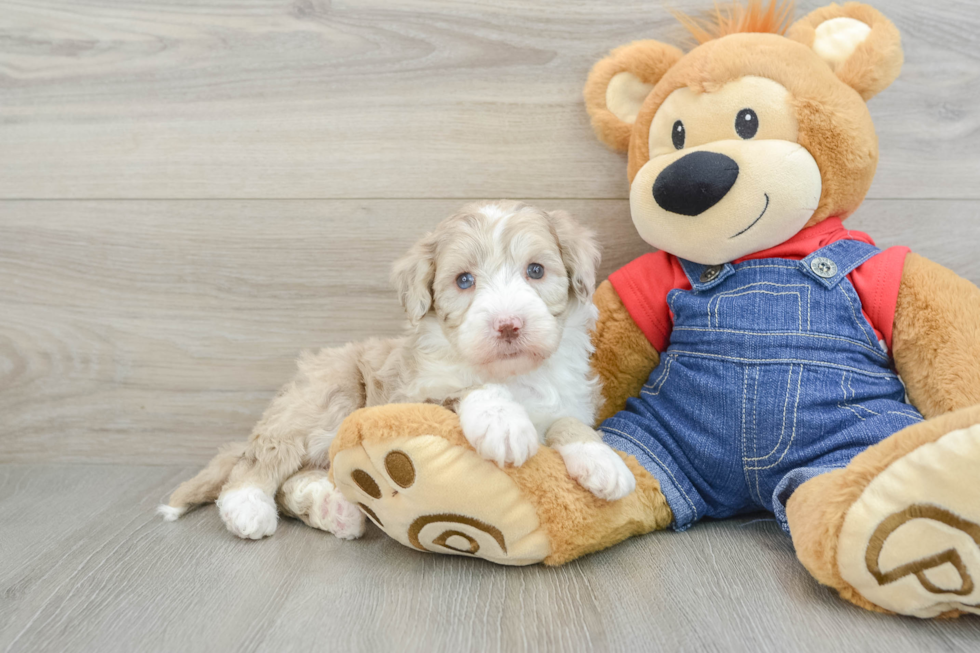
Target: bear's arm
(936,342)
(623,356)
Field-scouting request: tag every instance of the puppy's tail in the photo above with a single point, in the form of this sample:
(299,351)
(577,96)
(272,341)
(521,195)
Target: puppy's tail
(204,487)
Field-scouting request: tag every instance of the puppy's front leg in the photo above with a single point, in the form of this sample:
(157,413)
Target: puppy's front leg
(592,463)
(497,426)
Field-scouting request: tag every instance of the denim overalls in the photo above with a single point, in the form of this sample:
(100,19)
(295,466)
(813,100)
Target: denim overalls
(773,375)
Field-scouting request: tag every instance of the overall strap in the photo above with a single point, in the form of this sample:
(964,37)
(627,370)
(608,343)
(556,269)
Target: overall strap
(705,277)
(828,265)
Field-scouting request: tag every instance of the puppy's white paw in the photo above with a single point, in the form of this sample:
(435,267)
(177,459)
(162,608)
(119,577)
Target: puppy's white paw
(335,514)
(497,426)
(248,512)
(597,468)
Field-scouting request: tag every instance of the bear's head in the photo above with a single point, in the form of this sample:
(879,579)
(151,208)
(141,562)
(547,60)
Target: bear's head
(756,133)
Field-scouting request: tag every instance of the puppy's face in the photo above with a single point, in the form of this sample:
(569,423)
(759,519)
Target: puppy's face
(499,278)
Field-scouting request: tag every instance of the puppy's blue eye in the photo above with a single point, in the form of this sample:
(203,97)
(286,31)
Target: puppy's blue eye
(465,281)
(535,271)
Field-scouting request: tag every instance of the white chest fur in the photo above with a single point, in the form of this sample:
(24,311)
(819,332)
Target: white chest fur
(562,386)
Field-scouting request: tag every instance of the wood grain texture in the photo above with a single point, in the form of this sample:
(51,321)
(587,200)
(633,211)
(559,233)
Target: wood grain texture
(414,99)
(87,566)
(152,332)
(152,316)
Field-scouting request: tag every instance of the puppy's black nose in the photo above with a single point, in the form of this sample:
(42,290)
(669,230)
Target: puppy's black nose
(694,183)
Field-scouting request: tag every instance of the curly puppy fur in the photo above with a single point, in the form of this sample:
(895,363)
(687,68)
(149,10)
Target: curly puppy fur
(508,335)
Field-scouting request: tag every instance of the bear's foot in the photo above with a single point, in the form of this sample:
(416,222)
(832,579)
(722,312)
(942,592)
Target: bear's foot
(906,523)
(911,542)
(432,494)
(413,473)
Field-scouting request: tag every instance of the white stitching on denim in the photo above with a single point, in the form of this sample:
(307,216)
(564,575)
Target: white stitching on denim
(874,350)
(745,395)
(917,418)
(782,434)
(662,372)
(796,406)
(745,458)
(755,433)
(661,380)
(853,395)
(716,300)
(659,462)
(887,412)
(854,315)
(746,470)
(851,407)
(747,266)
(846,405)
(755,412)
(793,361)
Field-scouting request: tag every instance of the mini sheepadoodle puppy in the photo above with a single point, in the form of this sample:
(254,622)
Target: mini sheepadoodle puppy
(499,304)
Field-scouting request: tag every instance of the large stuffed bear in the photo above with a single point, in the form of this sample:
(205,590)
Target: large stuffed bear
(754,361)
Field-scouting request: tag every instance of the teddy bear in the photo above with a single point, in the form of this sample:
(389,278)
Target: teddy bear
(764,357)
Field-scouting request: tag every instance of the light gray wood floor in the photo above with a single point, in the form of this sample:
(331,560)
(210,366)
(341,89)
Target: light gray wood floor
(89,567)
(192,191)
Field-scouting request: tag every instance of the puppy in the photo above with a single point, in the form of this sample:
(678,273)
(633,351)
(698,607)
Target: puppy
(499,304)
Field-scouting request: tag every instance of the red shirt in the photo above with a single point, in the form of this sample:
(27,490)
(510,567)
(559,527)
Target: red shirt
(643,284)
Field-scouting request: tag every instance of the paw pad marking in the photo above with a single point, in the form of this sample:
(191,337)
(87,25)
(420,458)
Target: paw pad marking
(443,541)
(416,529)
(910,543)
(918,567)
(400,468)
(364,481)
(435,496)
(370,513)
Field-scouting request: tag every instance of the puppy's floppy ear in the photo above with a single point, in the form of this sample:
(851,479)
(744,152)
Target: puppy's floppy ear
(579,252)
(863,48)
(413,275)
(618,85)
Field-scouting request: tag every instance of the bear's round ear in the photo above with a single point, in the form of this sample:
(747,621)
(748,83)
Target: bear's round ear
(618,85)
(863,48)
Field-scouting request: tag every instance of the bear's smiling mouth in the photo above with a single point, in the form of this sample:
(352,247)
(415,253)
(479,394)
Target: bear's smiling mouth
(766,208)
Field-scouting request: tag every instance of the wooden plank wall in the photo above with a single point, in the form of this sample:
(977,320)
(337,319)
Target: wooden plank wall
(190,193)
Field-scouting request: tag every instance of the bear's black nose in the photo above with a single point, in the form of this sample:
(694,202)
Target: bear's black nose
(694,183)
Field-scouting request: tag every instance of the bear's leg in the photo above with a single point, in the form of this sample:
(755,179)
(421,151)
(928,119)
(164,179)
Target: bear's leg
(898,529)
(411,470)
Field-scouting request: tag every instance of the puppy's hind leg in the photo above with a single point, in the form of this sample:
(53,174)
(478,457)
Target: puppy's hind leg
(205,486)
(328,386)
(309,496)
(593,464)
(246,503)
(274,452)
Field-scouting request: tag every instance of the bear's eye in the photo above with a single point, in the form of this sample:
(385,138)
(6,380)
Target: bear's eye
(465,281)
(746,123)
(677,134)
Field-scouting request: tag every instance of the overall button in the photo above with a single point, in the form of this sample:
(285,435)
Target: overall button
(710,274)
(823,267)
